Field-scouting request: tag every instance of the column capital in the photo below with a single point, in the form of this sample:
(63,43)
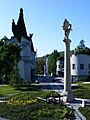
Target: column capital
(67,41)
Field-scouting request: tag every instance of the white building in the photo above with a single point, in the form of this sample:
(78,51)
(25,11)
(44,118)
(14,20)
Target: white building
(80,66)
(60,67)
(27,63)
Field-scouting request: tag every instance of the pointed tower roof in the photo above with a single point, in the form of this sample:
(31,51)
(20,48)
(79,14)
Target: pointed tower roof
(21,25)
(19,30)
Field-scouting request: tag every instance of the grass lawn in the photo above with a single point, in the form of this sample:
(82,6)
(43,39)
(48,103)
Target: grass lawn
(25,106)
(85,111)
(4,90)
(83,91)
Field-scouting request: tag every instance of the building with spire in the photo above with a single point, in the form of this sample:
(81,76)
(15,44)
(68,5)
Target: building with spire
(27,63)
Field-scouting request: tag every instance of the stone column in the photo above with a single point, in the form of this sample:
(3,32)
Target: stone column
(68,95)
(44,70)
(46,67)
(67,83)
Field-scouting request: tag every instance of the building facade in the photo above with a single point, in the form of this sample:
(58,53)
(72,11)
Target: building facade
(60,67)
(80,66)
(27,63)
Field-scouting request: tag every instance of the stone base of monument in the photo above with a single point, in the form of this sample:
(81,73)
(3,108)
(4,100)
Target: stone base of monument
(67,96)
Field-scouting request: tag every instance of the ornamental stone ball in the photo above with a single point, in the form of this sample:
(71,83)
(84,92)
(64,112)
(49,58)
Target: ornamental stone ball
(67,28)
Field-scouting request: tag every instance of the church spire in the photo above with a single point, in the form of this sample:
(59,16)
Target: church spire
(19,30)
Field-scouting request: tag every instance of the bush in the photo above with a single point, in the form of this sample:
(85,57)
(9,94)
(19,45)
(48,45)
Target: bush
(26,107)
(85,111)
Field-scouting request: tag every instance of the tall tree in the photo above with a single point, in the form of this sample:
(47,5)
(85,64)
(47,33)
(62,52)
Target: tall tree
(81,44)
(4,40)
(8,54)
(40,66)
(52,62)
(81,48)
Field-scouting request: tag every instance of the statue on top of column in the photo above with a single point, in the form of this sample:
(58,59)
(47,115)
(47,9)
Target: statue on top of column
(67,28)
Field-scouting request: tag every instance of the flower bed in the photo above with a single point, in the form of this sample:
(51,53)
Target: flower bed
(25,106)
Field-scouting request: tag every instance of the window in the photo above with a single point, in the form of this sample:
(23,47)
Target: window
(58,66)
(73,66)
(89,67)
(81,66)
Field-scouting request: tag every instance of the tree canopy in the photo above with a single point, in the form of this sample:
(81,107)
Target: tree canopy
(52,62)
(82,49)
(40,66)
(9,56)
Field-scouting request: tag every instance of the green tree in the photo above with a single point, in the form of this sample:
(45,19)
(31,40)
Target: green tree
(52,62)
(8,54)
(40,66)
(81,48)
(81,44)
(5,40)
(15,79)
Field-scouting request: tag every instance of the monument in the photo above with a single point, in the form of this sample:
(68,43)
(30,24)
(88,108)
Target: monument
(67,94)
(46,67)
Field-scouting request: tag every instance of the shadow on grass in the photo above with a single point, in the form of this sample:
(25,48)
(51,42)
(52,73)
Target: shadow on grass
(75,87)
(28,88)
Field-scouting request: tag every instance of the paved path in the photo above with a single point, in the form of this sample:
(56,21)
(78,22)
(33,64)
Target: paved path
(3,118)
(75,105)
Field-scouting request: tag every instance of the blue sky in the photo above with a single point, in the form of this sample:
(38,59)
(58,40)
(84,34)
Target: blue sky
(44,18)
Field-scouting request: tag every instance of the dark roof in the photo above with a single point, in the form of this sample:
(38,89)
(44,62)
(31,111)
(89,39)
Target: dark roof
(19,29)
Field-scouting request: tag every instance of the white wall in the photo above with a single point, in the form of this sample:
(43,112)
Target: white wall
(25,62)
(77,60)
(21,69)
(33,60)
(58,65)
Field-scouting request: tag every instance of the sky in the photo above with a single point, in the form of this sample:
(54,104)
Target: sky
(45,18)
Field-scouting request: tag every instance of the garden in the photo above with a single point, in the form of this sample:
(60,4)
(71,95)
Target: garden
(24,105)
(83,91)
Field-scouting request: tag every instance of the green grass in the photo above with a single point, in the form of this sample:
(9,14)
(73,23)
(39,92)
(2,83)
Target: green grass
(4,90)
(83,91)
(85,111)
(25,106)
